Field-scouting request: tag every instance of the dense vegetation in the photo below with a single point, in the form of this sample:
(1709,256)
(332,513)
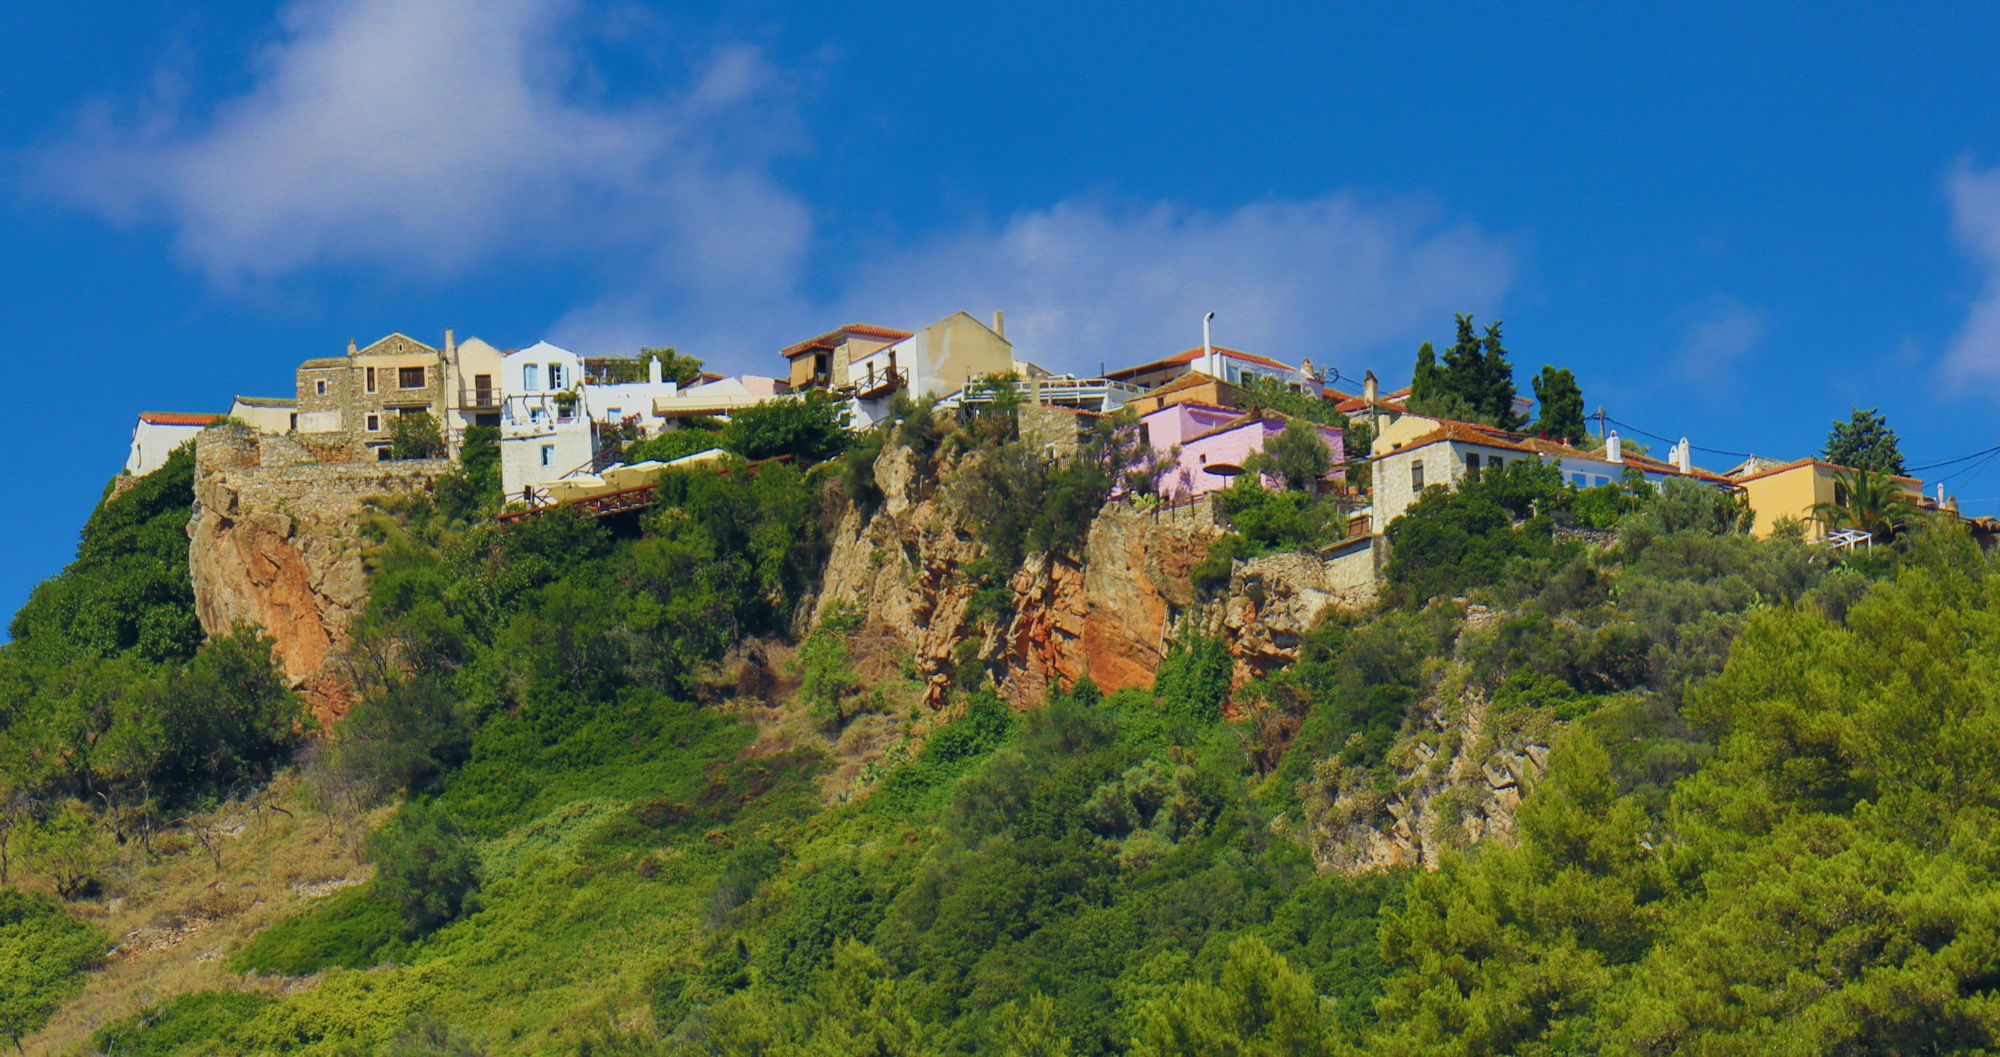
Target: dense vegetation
(1767,821)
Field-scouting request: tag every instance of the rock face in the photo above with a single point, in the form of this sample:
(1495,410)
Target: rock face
(275,541)
(1110,615)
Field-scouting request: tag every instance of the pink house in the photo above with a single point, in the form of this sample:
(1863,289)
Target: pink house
(1215,437)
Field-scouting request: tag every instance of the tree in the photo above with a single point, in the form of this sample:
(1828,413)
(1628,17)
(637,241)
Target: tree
(1260,1006)
(415,436)
(1561,402)
(810,428)
(1298,456)
(674,367)
(69,848)
(1864,442)
(1868,501)
(1474,383)
(426,866)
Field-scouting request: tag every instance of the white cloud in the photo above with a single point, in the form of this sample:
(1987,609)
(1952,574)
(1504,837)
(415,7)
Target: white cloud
(1974,353)
(1719,333)
(449,136)
(435,133)
(1083,282)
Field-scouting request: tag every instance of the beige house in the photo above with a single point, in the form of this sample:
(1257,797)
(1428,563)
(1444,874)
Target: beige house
(361,393)
(823,362)
(266,414)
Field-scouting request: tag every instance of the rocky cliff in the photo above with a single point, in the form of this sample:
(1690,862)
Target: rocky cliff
(1108,614)
(276,540)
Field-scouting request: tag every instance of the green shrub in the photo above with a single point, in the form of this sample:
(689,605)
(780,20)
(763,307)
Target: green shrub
(810,428)
(352,929)
(673,444)
(198,1023)
(426,866)
(43,954)
(1194,677)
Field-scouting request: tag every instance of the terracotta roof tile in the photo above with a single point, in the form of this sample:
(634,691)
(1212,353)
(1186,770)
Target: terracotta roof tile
(1194,354)
(832,338)
(177,418)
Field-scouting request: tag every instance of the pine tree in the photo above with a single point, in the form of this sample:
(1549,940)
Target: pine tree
(1864,442)
(1561,402)
(1494,394)
(1428,382)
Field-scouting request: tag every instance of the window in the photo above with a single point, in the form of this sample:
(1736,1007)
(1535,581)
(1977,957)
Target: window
(1472,464)
(482,389)
(370,379)
(1839,494)
(383,453)
(1416,475)
(295,422)
(613,414)
(531,376)
(548,454)
(407,411)
(319,387)
(410,377)
(555,376)
(374,423)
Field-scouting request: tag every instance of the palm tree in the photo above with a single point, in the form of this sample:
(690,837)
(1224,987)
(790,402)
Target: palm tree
(1869,501)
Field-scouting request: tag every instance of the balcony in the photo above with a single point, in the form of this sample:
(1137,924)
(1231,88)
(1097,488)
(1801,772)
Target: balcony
(480,400)
(882,382)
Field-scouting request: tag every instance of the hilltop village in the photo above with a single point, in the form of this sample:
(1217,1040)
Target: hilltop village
(564,422)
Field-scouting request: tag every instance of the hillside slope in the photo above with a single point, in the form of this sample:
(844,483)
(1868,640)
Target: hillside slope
(817,763)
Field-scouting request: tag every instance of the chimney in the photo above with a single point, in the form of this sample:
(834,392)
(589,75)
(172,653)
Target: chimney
(1684,456)
(450,344)
(1370,388)
(1614,452)
(1940,491)
(999,323)
(653,370)
(1207,346)
(350,346)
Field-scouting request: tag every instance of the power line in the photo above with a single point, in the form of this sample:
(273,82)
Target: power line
(1670,440)
(1948,462)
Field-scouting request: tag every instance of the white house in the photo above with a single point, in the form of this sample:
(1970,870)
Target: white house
(545,432)
(611,403)
(157,434)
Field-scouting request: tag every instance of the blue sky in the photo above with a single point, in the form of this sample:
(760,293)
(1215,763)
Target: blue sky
(1734,223)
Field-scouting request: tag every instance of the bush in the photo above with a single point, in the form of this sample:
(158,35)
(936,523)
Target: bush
(416,436)
(426,866)
(352,929)
(810,428)
(1193,680)
(1452,541)
(69,848)
(673,444)
(43,953)
(828,686)
(200,1022)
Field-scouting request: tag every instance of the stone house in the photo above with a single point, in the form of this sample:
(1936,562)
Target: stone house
(360,393)
(823,362)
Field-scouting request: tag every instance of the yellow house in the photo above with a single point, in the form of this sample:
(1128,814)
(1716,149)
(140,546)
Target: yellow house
(1793,489)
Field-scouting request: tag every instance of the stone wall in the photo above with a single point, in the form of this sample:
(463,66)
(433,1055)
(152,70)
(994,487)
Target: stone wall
(281,547)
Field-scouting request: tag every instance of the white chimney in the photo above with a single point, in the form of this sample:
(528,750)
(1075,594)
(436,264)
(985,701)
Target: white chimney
(653,370)
(450,344)
(1684,456)
(1369,388)
(1614,452)
(1207,346)
(999,322)
(1940,491)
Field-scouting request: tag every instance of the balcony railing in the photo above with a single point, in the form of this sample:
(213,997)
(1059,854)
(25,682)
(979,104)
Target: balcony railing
(876,383)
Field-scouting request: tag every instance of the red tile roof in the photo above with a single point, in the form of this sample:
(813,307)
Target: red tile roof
(1194,354)
(177,418)
(1823,464)
(833,338)
(1494,437)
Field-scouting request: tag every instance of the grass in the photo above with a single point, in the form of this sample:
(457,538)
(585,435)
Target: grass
(178,919)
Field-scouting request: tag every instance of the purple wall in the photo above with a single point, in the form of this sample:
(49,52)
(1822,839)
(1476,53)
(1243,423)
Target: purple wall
(1184,426)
